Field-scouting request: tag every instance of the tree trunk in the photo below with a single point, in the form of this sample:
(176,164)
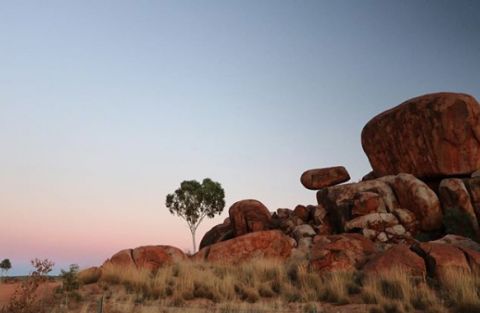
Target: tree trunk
(194,243)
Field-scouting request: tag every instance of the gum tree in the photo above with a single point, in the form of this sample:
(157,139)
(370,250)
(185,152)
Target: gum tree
(194,201)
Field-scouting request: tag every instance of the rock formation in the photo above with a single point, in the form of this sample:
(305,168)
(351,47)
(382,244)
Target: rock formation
(434,135)
(391,220)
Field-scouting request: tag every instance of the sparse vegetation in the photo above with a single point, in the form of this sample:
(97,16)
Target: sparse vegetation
(25,299)
(266,285)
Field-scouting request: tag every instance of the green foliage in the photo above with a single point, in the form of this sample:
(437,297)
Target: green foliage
(194,201)
(69,278)
(5,265)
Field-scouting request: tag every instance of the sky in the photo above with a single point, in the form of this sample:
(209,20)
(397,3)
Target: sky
(106,106)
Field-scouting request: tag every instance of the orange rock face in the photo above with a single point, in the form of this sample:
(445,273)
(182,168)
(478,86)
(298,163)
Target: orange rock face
(442,257)
(397,257)
(317,179)
(148,257)
(249,216)
(265,244)
(345,252)
(428,136)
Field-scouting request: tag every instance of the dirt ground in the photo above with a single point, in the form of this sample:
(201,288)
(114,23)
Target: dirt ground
(7,289)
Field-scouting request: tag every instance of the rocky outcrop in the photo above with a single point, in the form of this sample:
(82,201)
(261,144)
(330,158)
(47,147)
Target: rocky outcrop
(344,252)
(317,179)
(415,195)
(265,244)
(386,209)
(249,216)
(428,136)
(218,233)
(148,257)
(398,257)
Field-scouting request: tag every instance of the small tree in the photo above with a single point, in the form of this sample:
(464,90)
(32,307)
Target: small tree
(42,267)
(5,266)
(193,201)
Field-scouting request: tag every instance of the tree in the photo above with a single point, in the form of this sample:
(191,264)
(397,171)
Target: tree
(193,201)
(5,266)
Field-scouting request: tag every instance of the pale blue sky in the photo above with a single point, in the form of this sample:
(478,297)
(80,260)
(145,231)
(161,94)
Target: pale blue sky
(105,106)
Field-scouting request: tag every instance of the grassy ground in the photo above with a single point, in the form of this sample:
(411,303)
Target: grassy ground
(267,286)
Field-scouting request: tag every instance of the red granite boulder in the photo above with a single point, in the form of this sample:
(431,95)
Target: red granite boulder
(148,257)
(248,216)
(428,136)
(319,178)
(264,244)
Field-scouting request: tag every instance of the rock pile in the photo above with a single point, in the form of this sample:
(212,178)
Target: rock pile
(388,220)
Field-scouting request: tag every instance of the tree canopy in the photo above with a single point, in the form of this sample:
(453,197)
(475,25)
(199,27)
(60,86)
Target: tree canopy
(194,201)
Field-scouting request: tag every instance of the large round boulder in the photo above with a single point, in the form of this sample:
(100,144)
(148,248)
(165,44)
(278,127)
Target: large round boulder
(248,216)
(261,244)
(147,257)
(429,136)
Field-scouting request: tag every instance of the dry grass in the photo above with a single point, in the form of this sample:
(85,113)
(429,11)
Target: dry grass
(270,280)
(264,285)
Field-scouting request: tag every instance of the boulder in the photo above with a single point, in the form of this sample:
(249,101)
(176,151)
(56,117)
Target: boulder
(416,196)
(428,136)
(441,258)
(248,216)
(302,212)
(302,231)
(408,219)
(123,258)
(339,200)
(367,202)
(344,252)
(369,176)
(459,242)
(319,214)
(284,213)
(317,179)
(375,221)
(457,206)
(265,244)
(398,257)
(89,275)
(147,257)
(473,187)
(218,233)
